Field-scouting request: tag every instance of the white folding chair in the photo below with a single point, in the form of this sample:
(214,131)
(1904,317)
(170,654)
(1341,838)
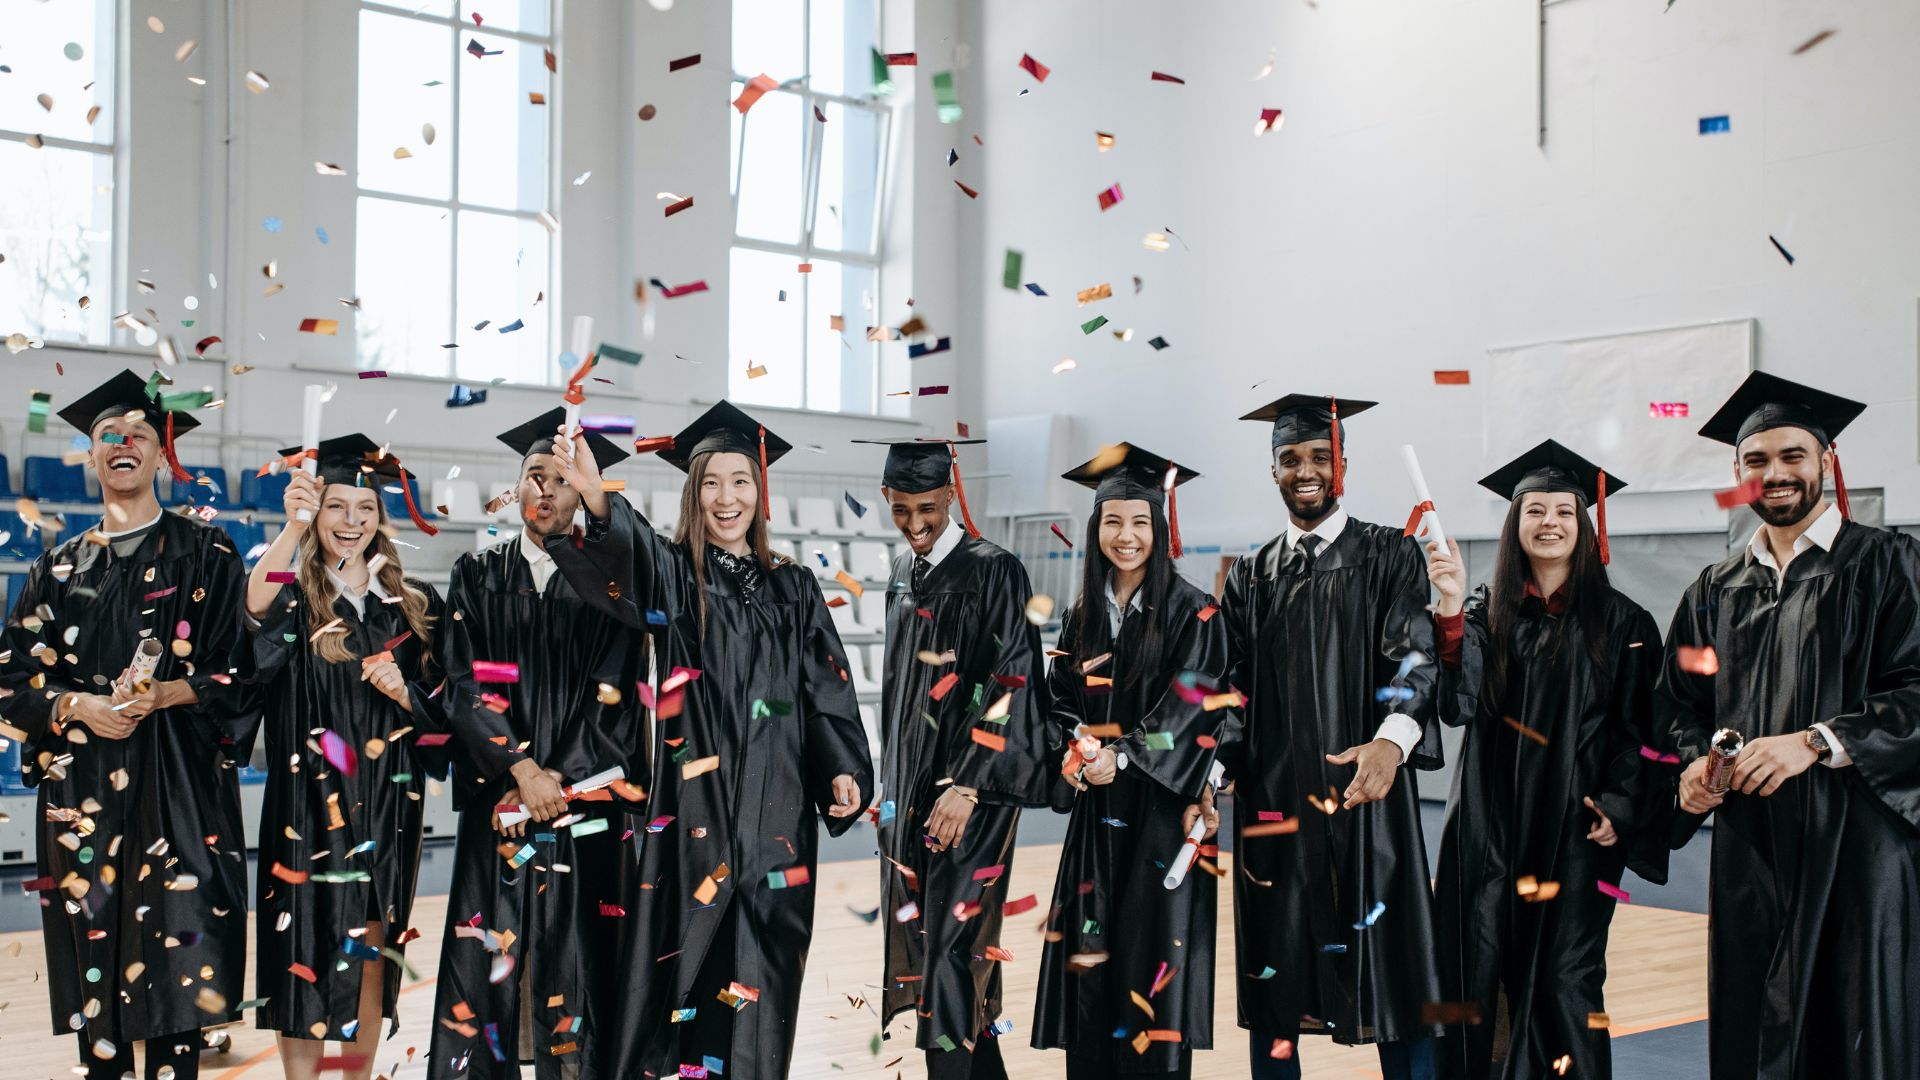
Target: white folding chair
(869,560)
(663,511)
(815,514)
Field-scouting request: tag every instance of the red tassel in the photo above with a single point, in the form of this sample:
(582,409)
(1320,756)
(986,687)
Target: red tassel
(766,496)
(180,475)
(1840,483)
(1413,519)
(1601,513)
(1173,510)
(960,489)
(1339,464)
(406,492)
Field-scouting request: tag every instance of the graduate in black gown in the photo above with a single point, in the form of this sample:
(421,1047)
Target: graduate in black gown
(1807,642)
(540,697)
(344,657)
(1323,624)
(1142,654)
(142,860)
(950,800)
(758,740)
(1551,672)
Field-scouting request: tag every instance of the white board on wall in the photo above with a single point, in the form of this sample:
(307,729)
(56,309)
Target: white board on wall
(1604,397)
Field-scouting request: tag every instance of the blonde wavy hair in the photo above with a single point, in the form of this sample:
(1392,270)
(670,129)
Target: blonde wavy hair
(319,592)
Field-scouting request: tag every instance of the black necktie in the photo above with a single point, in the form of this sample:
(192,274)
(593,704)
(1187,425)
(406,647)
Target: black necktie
(1304,553)
(921,568)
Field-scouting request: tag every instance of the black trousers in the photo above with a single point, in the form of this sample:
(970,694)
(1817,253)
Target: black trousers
(161,1052)
(956,1064)
(1085,1068)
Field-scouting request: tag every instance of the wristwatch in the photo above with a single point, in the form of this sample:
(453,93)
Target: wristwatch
(1816,742)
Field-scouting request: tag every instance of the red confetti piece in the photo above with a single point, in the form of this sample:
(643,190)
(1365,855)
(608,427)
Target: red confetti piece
(996,743)
(972,193)
(1452,378)
(945,685)
(753,92)
(302,971)
(290,876)
(683,63)
(39,884)
(496,703)
(683,204)
(683,290)
(320,326)
(200,347)
(1035,68)
(1739,496)
(613,911)
(495,671)
(1161,76)
(373,375)
(986,873)
(161,593)
(932,391)
(1651,754)
(280,577)
(1207,612)
(1015,907)
(1063,536)
(1110,197)
(1699,660)
(995,952)
(433,739)
(338,752)
(1205,742)
(837,600)
(903,59)
(1269,120)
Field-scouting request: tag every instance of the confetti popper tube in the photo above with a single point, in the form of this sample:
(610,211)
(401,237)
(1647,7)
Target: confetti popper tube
(1430,519)
(582,339)
(1189,851)
(1726,746)
(146,659)
(310,434)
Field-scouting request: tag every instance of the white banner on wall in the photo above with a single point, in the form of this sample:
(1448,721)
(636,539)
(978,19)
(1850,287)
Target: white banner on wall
(1630,402)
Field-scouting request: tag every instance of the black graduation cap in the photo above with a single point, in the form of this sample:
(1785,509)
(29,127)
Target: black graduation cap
(1124,471)
(1764,402)
(123,394)
(354,460)
(1299,418)
(724,428)
(916,465)
(357,461)
(1768,401)
(536,437)
(1552,467)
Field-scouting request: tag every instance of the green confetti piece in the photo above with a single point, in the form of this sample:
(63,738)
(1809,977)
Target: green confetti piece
(37,412)
(342,877)
(873,1044)
(931,722)
(616,353)
(588,827)
(943,94)
(397,957)
(1159,740)
(1093,324)
(683,753)
(401,777)
(1010,277)
(946,1043)
(882,86)
(186,399)
(1091,926)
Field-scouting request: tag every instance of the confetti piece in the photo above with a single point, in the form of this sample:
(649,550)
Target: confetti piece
(932,391)
(1804,46)
(1271,828)
(1715,125)
(946,99)
(1064,366)
(683,63)
(1110,197)
(676,207)
(200,347)
(1599,1021)
(1093,324)
(1102,291)
(1667,410)
(1534,891)
(495,671)
(1739,496)
(329,327)
(1452,378)
(1525,730)
(683,290)
(1615,891)
(753,92)
(1161,76)
(987,873)
(338,752)
(971,193)
(699,767)
(903,59)
(1651,754)
(917,350)
(1784,253)
(460,395)
(990,740)
(791,877)
(1039,609)
(1270,120)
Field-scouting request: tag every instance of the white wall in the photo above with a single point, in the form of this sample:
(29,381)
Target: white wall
(1403,220)
(195,207)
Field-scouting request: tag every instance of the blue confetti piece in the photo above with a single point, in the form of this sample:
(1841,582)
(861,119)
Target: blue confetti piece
(717,1066)
(1265,973)
(858,510)
(1378,909)
(462,395)
(783,296)
(1394,694)
(1113,821)
(1336,948)
(918,349)
(359,948)
(493,1042)
(1715,125)
(272,224)
(478,50)
(512,326)
(656,617)
(822,556)
(1002,1027)
(320,233)
(887,811)
(1410,661)
(1035,289)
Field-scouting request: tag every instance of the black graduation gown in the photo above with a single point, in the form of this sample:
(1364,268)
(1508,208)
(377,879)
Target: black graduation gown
(973,603)
(1814,941)
(773,702)
(1312,652)
(332,815)
(1517,811)
(1110,896)
(562,903)
(158,864)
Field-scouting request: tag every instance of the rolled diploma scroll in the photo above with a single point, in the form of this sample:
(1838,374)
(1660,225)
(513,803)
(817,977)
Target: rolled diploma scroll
(515,813)
(1429,519)
(1726,746)
(582,339)
(146,659)
(310,435)
(1089,748)
(1190,847)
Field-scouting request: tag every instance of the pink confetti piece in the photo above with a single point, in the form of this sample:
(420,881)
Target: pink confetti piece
(987,873)
(183,629)
(280,577)
(1651,754)
(495,671)
(161,593)
(339,753)
(1110,197)
(1614,891)
(1667,410)
(432,739)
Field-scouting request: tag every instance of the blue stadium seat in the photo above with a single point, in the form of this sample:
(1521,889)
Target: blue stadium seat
(51,479)
(397,503)
(220,496)
(263,492)
(244,534)
(16,584)
(6,478)
(18,544)
(10,771)
(77,523)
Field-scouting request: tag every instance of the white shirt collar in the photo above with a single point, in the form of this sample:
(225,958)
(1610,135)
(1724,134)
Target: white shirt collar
(1820,534)
(1328,530)
(944,544)
(531,550)
(129,532)
(1114,614)
(358,598)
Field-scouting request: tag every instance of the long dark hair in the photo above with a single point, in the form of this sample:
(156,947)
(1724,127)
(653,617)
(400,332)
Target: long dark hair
(1090,611)
(1587,590)
(691,530)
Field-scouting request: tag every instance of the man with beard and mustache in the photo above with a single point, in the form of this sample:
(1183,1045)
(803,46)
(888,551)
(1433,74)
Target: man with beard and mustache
(1334,920)
(1807,641)
(539,697)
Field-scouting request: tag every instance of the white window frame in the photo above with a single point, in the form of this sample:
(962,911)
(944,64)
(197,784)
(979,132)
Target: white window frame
(805,251)
(110,278)
(452,203)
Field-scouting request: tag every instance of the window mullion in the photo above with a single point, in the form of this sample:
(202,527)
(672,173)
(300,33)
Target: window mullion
(453,213)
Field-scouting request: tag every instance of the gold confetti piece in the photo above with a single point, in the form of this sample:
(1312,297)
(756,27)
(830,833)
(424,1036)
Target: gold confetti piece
(696,767)
(401,153)
(1102,291)
(1142,1002)
(257,82)
(755,371)
(332,627)
(1039,609)
(704,892)
(1598,1021)
(1104,140)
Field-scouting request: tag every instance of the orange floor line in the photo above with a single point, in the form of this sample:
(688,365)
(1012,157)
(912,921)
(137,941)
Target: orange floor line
(1623,1031)
(265,1055)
